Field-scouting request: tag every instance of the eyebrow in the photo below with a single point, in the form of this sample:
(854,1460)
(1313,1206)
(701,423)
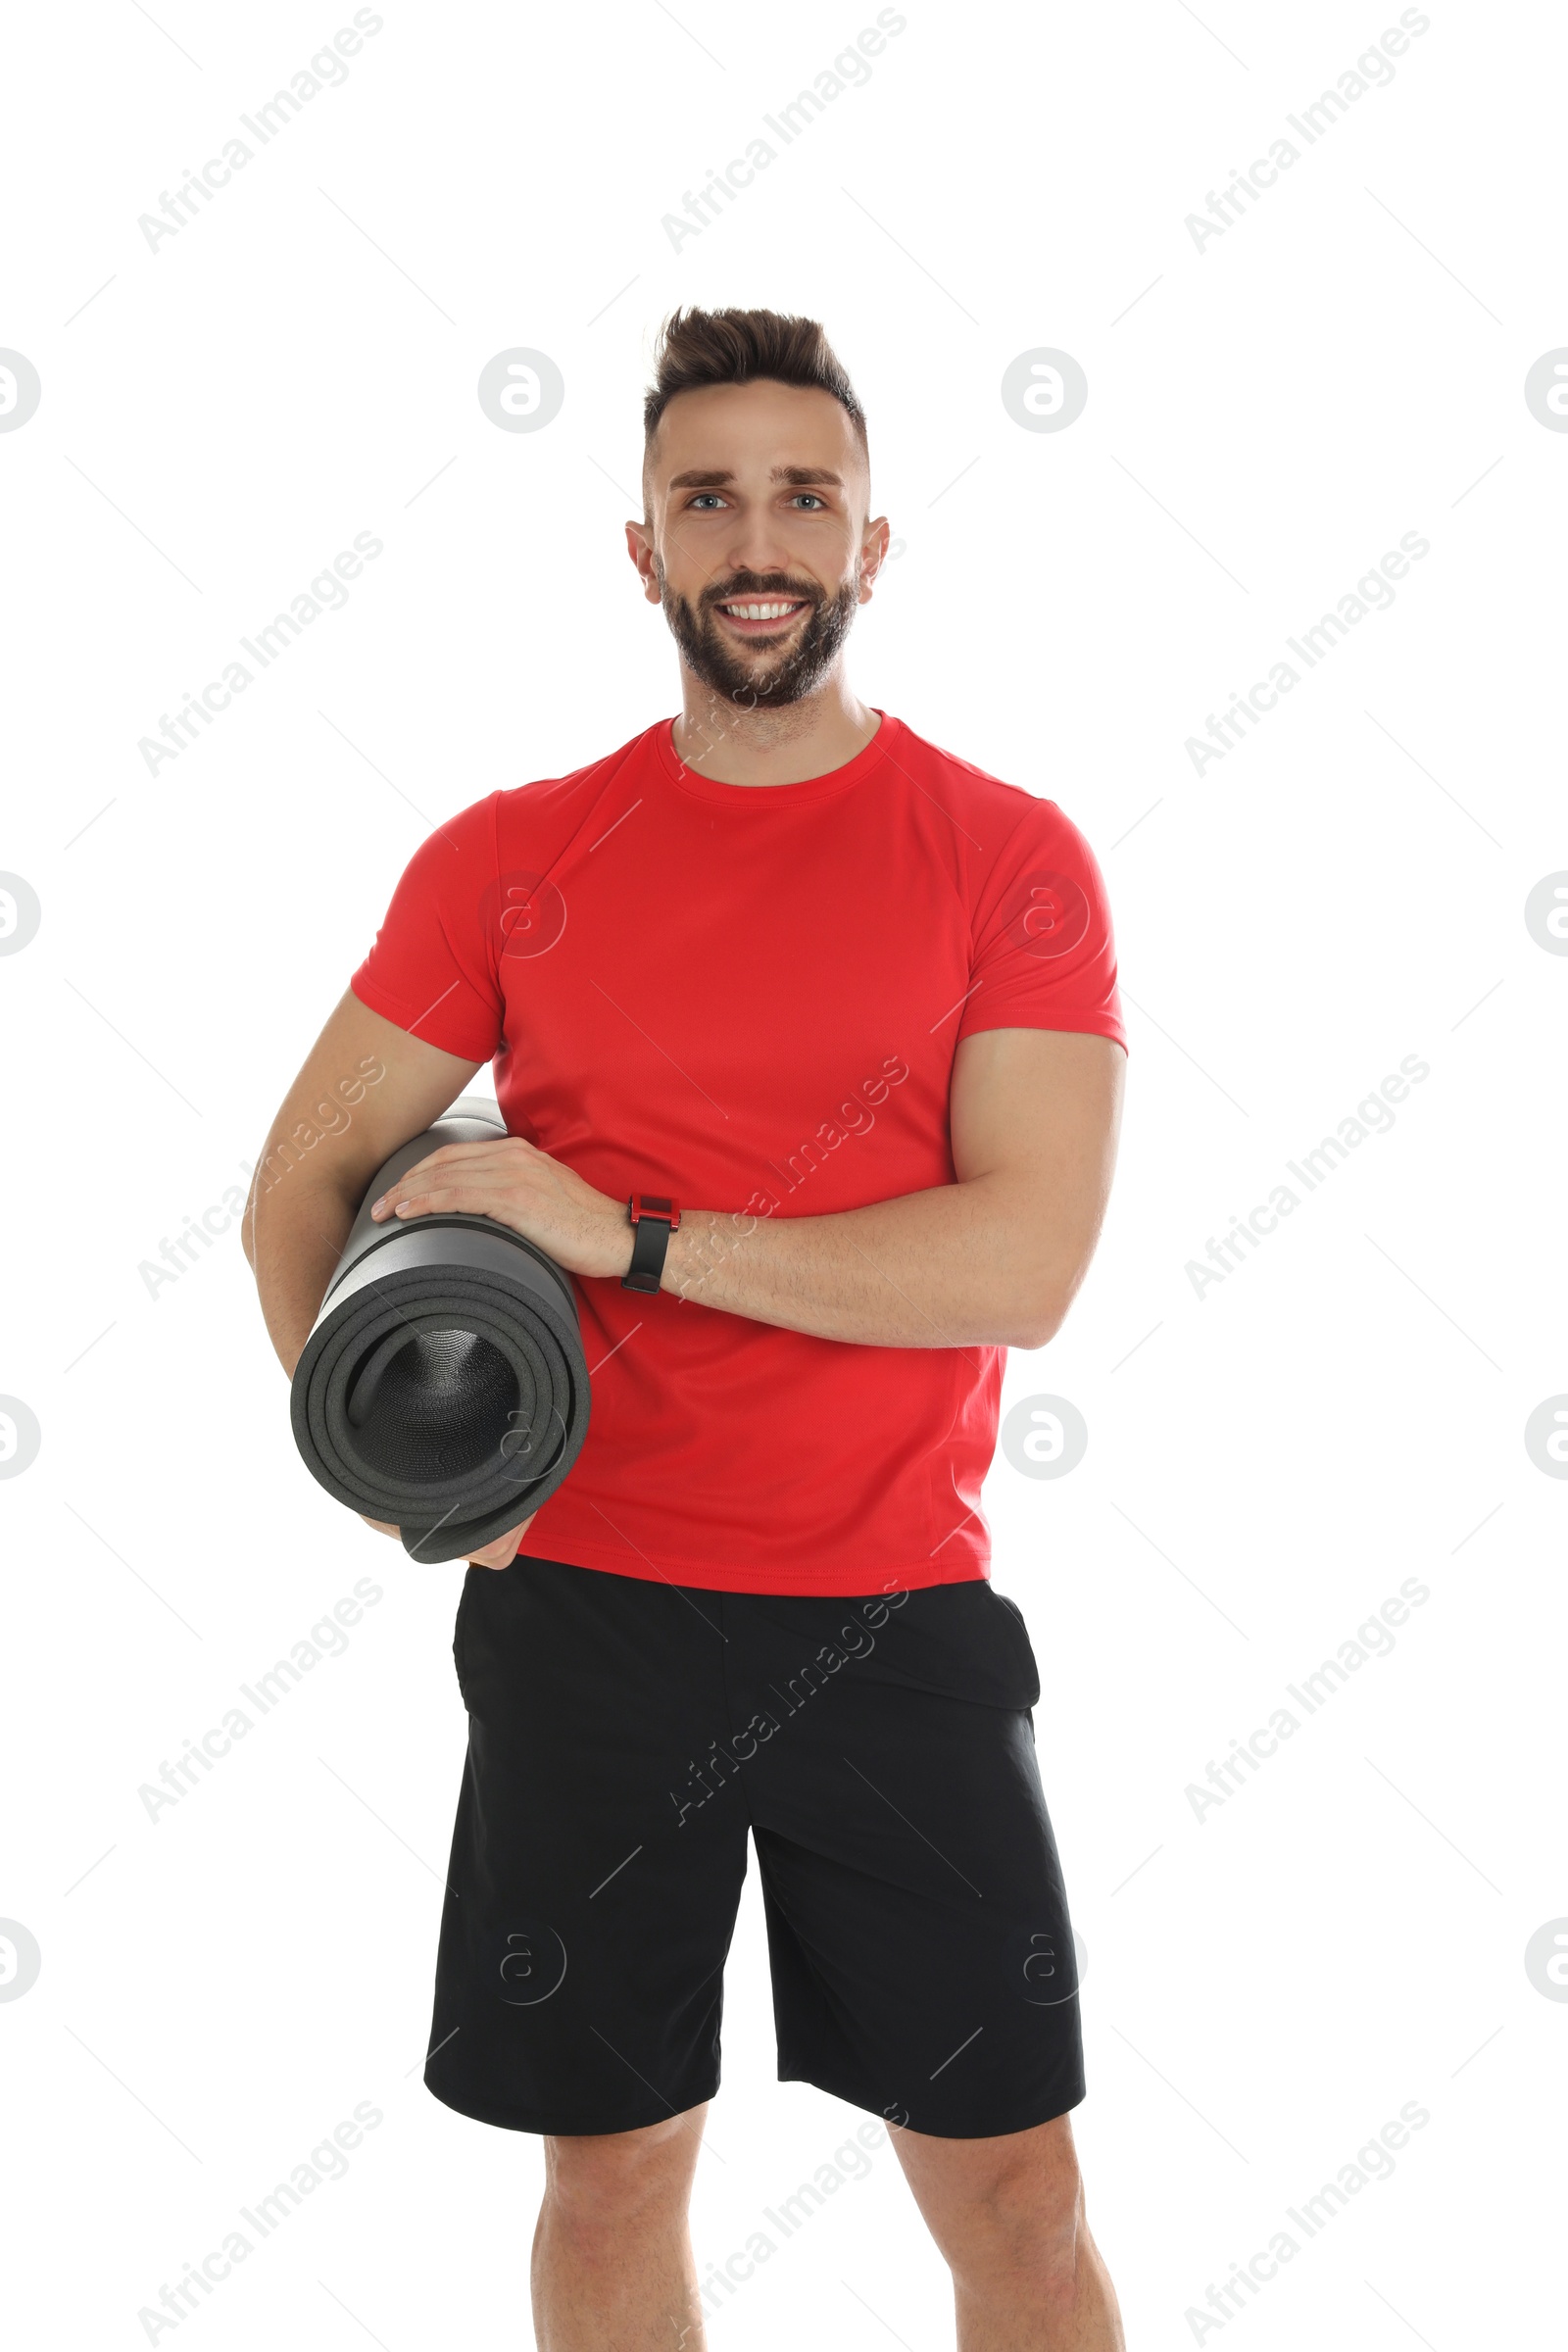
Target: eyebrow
(718,479)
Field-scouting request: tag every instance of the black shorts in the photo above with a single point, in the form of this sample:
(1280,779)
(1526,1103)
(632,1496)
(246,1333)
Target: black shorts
(624,1738)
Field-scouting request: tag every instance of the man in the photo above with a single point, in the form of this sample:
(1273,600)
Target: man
(842,1009)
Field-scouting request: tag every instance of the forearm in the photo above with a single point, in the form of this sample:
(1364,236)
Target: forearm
(991,1260)
(293,1234)
(966,1265)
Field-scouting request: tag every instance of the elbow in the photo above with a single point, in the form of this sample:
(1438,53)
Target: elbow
(1036,1325)
(1033,1335)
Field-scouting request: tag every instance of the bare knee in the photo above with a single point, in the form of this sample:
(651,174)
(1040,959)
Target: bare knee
(1047,2210)
(1026,2225)
(599,2180)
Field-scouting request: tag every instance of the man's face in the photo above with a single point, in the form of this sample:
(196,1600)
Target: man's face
(757,544)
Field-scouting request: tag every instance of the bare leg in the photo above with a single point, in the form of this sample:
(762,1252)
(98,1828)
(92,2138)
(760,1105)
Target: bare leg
(612,2267)
(1008,2217)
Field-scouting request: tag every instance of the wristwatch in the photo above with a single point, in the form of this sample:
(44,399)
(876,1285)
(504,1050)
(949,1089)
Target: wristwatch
(652,1221)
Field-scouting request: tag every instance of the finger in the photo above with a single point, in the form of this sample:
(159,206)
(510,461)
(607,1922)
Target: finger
(401,1202)
(398,1189)
(502,1552)
(472,1200)
(495,1554)
(404,1190)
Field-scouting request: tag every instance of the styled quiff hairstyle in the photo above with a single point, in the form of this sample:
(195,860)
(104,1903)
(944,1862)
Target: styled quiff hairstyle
(697,347)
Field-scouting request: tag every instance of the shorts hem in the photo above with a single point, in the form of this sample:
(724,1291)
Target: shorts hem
(1026,2122)
(517,2119)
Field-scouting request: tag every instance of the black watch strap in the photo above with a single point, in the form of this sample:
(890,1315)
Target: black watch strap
(653,1219)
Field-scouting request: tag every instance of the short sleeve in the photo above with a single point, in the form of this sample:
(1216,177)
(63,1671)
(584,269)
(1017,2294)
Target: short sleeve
(1045,955)
(431,969)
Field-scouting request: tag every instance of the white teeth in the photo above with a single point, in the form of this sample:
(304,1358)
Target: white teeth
(760,611)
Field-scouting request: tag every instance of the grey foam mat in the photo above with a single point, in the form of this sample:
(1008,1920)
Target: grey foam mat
(442,1388)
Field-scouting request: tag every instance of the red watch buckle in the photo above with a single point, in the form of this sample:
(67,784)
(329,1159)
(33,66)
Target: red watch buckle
(654,1204)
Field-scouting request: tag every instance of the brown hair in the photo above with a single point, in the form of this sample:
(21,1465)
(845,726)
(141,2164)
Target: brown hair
(697,346)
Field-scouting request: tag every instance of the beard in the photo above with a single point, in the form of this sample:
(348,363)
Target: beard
(759,678)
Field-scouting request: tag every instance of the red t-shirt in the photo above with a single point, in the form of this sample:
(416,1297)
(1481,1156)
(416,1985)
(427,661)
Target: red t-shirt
(749,997)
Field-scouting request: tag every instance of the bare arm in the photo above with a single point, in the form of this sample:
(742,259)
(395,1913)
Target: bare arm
(365,1087)
(993,1259)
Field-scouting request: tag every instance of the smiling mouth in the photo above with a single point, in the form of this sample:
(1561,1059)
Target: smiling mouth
(760,617)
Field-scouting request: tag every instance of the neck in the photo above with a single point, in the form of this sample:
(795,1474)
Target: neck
(785,745)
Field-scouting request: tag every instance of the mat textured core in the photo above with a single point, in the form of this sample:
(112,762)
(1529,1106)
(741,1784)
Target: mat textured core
(442,1388)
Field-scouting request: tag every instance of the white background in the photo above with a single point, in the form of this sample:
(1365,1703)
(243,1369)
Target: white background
(1266,416)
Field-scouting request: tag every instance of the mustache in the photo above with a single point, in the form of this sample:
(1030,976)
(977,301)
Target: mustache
(773,591)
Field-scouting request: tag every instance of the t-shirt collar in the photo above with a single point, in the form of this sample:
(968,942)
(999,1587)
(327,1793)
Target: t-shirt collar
(774,796)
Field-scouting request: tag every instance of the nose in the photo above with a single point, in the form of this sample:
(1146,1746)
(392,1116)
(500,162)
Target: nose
(758,546)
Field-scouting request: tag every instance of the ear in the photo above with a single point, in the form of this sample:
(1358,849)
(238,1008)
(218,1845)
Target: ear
(873,555)
(640,548)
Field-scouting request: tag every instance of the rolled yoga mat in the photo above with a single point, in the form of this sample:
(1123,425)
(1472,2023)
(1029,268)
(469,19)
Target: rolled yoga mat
(442,1388)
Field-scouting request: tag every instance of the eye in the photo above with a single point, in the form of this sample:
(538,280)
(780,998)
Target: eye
(701,494)
(821,501)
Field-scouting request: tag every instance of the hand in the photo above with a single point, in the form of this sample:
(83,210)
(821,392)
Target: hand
(585,1231)
(499,1555)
